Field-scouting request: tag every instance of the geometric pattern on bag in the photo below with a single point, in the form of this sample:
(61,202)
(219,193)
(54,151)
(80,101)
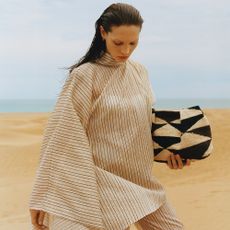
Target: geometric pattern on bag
(186,132)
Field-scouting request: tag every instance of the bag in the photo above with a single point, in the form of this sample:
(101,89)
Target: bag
(186,132)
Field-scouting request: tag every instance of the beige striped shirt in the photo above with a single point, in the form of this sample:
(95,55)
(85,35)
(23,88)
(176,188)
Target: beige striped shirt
(96,157)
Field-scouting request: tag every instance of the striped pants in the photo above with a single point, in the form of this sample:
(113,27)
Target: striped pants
(164,218)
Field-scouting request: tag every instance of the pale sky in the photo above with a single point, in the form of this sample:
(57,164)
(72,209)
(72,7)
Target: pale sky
(184,44)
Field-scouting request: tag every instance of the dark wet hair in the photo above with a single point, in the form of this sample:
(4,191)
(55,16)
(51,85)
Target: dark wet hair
(116,14)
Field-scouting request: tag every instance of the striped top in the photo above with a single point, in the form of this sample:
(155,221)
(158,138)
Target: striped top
(96,157)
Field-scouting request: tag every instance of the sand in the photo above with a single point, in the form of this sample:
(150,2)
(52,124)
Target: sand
(199,193)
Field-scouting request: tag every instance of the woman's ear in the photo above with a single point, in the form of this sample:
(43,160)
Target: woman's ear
(103,33)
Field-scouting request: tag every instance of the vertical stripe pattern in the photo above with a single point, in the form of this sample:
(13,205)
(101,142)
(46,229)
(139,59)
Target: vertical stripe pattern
(164,218)
(96,157)
(54,222)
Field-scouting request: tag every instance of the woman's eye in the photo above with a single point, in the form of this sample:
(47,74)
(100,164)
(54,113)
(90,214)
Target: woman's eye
(119,44)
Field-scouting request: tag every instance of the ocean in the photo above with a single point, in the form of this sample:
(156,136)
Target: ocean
(36,105)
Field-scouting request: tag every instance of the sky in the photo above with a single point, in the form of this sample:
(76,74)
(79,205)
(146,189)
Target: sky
(184,44)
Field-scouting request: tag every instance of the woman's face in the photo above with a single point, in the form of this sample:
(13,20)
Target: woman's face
(121,41)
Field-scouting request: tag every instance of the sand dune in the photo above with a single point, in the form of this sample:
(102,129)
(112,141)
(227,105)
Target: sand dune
(199,193)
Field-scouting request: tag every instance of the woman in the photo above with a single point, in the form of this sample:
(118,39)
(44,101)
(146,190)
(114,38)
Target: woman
(95,169)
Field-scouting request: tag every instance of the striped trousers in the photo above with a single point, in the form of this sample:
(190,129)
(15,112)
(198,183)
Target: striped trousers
(164,218)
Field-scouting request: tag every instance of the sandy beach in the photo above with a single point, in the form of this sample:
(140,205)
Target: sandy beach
(199,193)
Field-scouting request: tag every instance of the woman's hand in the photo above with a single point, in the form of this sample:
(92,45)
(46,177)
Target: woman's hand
(175,161)
(37,218)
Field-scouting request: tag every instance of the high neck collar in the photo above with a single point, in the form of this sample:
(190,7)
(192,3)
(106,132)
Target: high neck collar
(107,60)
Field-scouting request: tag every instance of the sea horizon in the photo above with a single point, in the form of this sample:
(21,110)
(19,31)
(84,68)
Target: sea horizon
(47,105)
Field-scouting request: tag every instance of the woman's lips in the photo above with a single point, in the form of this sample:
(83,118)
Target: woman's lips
(123,57)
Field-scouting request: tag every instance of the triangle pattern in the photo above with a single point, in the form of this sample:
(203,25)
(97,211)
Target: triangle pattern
(157,151)
(177,126)
(205,131)
(162,155)
(156,145)
(185,132)
(168,115)
(197,107)
(187,123)
(189,139)
(166,141)
(193,152)
(167,130)
(156,126)
(202,122)
(159,121)
(188,113)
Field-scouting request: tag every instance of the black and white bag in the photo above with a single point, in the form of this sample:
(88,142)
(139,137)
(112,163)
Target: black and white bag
(186,132)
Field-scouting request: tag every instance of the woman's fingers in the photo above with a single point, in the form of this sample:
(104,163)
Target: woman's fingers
(188,162)
(34,217)
(169,162)
(37,217)
(41,217)
(175,161)
(180,163)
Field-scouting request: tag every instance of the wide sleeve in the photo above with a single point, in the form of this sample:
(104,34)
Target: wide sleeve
(151,94)
(148,84)
(65,182)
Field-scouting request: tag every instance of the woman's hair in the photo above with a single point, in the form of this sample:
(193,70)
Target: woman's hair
(116,14)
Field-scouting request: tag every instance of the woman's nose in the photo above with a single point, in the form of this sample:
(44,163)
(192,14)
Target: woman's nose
(125,50)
